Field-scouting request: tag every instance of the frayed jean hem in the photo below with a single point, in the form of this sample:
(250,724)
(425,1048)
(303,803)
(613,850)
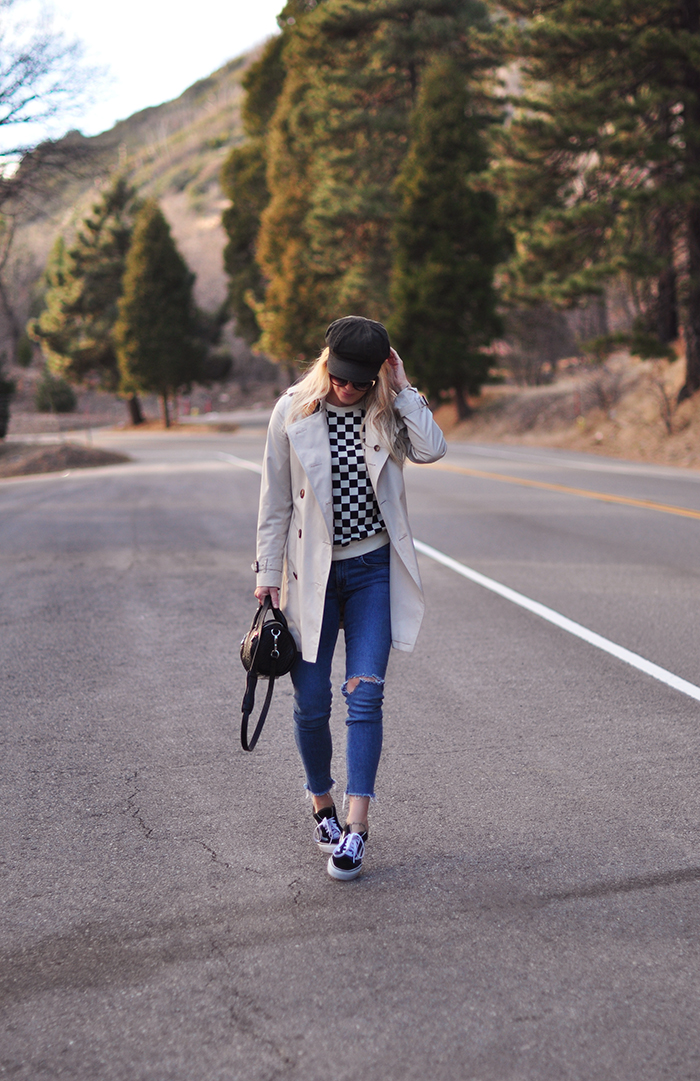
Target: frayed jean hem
(358,795)
(324,791)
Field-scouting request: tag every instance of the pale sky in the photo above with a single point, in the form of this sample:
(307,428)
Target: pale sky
(153,50)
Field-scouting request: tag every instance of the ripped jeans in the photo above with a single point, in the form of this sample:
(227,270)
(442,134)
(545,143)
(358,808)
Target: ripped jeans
(358,587)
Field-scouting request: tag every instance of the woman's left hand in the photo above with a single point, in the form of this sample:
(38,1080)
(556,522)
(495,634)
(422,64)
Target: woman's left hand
(398,375)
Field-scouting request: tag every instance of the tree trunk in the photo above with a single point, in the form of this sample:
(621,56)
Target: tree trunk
(166,410)
(11,318)
(135,410)
(464,410)
(4,414)
(690,10)
(691,328)
(667,298)
(13,322)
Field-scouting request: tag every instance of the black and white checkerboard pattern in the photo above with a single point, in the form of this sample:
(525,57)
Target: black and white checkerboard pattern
(355,509)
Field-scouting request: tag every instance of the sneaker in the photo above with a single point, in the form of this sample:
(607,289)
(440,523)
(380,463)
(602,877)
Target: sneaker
(328,830)
(346,861)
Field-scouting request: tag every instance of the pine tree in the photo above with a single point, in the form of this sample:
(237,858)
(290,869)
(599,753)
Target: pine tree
(291,312)
(159,344)
(83,286)
(51,328)
(288,314)
(447,241)
(336,144)
(244,182)
(602,162)
(363,106)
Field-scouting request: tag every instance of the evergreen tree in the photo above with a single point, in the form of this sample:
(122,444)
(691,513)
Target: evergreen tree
(363,107)
(50,329)
(158,335)
(288,314)
(244,181)
(336,144)
(602,162)
(291,312)
(447,241)
(84,283)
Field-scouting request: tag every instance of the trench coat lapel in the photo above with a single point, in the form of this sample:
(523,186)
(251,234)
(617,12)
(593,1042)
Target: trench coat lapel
(309,437)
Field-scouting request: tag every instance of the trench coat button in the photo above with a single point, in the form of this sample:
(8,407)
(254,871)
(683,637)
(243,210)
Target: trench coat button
(377,448)
(299,532)
(302,493)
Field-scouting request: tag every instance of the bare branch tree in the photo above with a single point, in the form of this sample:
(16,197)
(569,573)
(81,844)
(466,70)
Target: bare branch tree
(42,77)
(42,81)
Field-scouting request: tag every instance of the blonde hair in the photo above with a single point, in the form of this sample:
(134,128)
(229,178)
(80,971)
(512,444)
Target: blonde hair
(378,404)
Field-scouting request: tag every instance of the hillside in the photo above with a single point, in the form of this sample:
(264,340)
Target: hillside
(172,151)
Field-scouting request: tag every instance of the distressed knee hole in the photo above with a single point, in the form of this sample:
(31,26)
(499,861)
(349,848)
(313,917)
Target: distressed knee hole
(353,683)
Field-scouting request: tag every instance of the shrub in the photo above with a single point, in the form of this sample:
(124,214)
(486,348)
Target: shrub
(54,395)
(25,354)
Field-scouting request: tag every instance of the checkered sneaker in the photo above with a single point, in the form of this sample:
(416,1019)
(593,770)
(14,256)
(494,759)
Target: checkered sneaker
(355,509)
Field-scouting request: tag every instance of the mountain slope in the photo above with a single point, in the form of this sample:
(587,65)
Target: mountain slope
(172,151)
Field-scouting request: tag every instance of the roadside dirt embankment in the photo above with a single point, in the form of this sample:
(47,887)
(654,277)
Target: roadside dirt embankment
(625,408)
(18,459)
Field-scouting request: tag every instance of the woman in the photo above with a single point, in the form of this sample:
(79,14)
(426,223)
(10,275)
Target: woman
(334,538)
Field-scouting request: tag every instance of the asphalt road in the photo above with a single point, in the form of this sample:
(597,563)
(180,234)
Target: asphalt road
(529,909)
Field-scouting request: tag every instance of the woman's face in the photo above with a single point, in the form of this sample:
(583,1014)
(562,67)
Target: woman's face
(346,395)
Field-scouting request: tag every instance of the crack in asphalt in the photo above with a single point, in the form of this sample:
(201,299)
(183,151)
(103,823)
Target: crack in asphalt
(135,812)
(214,855)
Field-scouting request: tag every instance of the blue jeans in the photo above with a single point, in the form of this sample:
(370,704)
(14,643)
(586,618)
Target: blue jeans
(359,589)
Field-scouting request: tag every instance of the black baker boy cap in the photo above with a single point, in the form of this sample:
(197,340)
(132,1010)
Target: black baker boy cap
(358,348)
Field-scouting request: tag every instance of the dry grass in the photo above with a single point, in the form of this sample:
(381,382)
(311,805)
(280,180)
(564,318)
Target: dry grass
(625,409)
(19,459)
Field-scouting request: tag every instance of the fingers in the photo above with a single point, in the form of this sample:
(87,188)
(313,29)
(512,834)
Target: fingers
(264,591)
(398,372)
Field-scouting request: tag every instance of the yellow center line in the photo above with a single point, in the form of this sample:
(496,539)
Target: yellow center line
(604,497)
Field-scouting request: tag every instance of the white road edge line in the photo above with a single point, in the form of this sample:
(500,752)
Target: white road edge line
(565,624)
(593,639)
(243,463)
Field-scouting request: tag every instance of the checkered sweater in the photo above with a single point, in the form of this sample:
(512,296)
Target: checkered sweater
(356,512)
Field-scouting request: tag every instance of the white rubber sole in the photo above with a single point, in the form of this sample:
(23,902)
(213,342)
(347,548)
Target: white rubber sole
(330,847)
(341,875)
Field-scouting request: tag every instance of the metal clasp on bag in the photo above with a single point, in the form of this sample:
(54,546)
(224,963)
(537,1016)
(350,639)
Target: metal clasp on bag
(276,632)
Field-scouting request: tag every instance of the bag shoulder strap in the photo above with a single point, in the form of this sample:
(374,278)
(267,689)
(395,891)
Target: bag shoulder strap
(248,705)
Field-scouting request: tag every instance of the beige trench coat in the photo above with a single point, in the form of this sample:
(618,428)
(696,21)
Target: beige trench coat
(295,523)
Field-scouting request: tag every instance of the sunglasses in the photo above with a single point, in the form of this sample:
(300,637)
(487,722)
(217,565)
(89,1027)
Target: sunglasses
(358,386)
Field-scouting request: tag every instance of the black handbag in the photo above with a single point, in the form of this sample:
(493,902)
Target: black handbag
(267,651)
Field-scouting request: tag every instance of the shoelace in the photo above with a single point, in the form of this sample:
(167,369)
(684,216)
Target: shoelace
(352,845)
(327,828)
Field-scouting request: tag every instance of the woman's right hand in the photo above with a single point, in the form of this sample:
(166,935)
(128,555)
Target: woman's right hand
(272,591)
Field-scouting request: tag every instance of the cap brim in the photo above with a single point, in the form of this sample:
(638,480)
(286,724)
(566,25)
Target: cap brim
(350,369)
